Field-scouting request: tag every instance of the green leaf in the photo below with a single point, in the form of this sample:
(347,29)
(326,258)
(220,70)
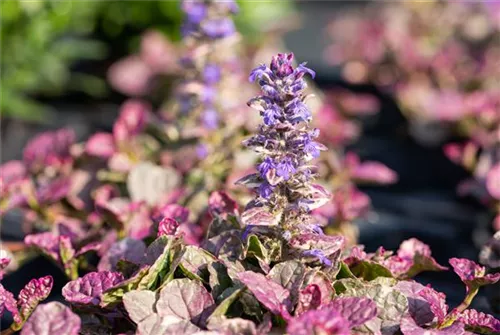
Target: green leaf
(195,261)
(368,270)
(162,262)
(219,279)
(345,272)
(228,297)
(345,284)
(115,294)
(219,225)
(255,248)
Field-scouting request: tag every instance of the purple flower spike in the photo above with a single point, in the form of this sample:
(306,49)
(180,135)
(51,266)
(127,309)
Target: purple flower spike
(195,11)
(281,65)
(212,73)
(206,24)
(87,290)
(472,274)
(210,118)
(325,321)
(52,318)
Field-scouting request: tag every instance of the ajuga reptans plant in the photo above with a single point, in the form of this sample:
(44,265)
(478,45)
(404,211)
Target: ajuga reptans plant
(286,194)
(269,270)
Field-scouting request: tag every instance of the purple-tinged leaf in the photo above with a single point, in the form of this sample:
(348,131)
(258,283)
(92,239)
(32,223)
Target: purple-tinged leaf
(30,296)
(138,222)
(309,299)
(11,174)
(419,308)
(272,177)
(101,145)
(174,211)
(356,311)
(71,227)
(472,274)
(8,302)
(329,245)
(52,318)
(228,245)
(409,248)
(139,304)
(169,325)
(4,263)
(412,258)
(409,327)
(53,191)
(88,289)
(46,242)
(134,115)
(127,249)
(167,226)
(325,321)
(259,216)
(317,196)
(185,299)
(233,326)
(221,204)
(196,260)
(479,322)
(51,148)
(251,181)
(290,275)
(374,172)
(272,295)
(324,284)
(437,302)
(91,247)
(355,254)
(493,181)
(157,248)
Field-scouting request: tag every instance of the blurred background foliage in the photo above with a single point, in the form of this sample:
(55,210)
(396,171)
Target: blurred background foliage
(50,49)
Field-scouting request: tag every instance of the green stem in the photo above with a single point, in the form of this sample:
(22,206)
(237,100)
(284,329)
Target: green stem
(452,316)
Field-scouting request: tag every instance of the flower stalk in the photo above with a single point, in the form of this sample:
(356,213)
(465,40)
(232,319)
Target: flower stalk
(286,194)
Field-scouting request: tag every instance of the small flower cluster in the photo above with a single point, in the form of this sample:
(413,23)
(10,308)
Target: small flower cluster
(286,142)
(207,29)
(150,273)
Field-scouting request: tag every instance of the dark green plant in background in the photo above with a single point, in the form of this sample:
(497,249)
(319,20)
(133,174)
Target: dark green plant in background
(44,44)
